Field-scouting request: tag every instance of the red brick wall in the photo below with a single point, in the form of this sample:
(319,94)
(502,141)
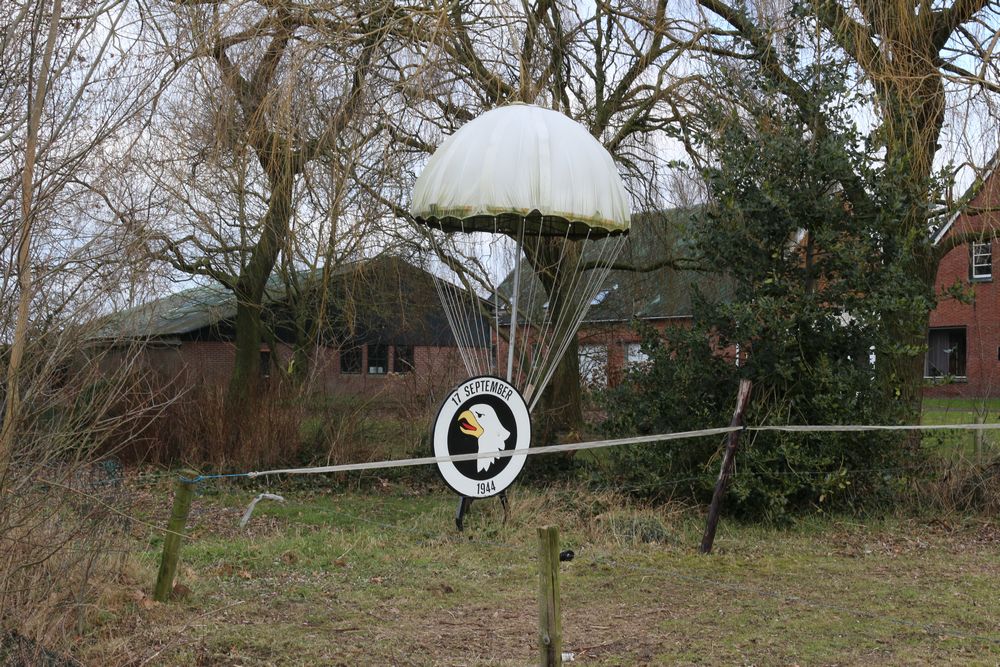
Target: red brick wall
(615,337)
(183,363)
(981,319)
(436,369)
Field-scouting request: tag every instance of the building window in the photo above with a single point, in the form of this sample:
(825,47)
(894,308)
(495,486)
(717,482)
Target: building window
(594,365)
(265,364)
(945,353)
(402,361)
(981,264)
(350,360)
(378,359)
(634,356)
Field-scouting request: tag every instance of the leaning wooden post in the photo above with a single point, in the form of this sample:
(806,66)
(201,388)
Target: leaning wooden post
(728,459)
(183,493)
(549,624)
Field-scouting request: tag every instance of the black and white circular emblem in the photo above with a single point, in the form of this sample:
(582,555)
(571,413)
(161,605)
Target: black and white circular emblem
(482,415)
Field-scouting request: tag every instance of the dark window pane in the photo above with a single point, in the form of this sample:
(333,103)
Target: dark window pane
(945,353)
(350,360)
(378,359)
(403,360)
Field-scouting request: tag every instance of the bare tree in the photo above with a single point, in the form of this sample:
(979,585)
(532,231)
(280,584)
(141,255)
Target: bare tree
(270,97)
(69,94)
(613,67)
(71,99)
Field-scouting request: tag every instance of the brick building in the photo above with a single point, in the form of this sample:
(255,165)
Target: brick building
(659,295)
(384,333)
(963,341)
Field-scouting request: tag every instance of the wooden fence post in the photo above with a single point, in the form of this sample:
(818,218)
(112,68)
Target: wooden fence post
(549,623)
(183,493)
(742,398)
(979,436)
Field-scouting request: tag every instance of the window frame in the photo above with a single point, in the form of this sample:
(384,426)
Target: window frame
(957,342)
(635,360)
(349,353)
(377,352)
(981,271)
(593,360)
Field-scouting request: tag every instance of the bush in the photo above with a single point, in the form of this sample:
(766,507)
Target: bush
(816,287)
(194,426)
(63,509)
(960,485)
(689,385)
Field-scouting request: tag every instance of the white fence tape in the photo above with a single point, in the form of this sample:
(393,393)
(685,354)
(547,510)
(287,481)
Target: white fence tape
(572,447)
(598,444)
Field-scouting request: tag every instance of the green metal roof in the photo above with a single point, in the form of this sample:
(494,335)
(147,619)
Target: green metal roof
(386,298)
(174,314)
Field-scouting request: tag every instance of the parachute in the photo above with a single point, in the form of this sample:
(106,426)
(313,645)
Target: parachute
(527,214)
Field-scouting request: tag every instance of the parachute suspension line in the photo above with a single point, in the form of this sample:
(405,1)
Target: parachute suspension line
(446,306)
(495,355)
(533,309)
(548,330)
(563,327)
(543,322)
(609,250)
(451,297)
(480,329)
(478,323)
(463,314)
(474,321)
(515,300)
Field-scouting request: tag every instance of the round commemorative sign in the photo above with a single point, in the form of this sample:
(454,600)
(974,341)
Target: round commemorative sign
(483,415)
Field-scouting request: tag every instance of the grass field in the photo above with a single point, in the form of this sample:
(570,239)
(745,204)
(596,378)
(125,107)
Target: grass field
(381,577)
(959,444)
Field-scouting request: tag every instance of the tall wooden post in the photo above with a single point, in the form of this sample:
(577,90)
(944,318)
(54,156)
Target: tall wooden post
(549,623)
(979,436)
(728,459)
(183,493)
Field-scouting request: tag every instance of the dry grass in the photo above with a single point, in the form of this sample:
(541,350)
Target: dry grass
(66,548)
(196,427)
(381,577)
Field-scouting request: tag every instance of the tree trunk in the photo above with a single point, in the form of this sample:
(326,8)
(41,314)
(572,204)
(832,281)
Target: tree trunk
(12,404)
(244,384)
(914,108)
(902,376)
(560,406)
(562,400)
(250,292)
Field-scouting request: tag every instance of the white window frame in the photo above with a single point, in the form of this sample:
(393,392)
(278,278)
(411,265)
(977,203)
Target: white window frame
(634,356)
(981,261)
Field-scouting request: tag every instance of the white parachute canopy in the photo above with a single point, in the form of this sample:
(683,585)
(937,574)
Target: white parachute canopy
(527,213)
(521,161)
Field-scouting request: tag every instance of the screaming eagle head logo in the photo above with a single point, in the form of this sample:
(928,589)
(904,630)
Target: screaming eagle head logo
(481,436)
(481,421)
